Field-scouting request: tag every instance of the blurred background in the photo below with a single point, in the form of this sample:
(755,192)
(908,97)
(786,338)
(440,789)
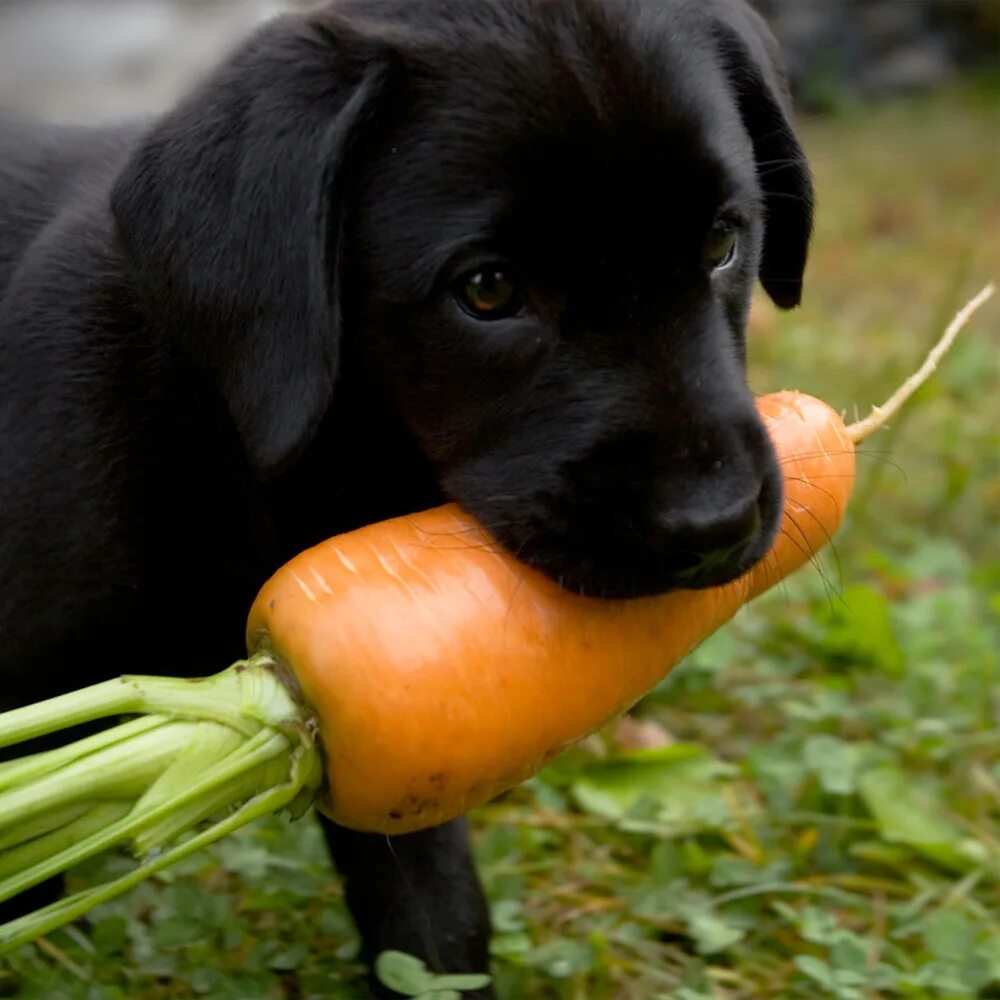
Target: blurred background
(809,806)
(94,59)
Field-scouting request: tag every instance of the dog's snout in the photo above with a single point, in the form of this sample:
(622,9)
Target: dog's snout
(710,541)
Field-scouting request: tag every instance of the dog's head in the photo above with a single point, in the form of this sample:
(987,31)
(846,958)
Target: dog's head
(536,225)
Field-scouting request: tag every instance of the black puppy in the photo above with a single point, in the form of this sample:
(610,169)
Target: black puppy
(393,251)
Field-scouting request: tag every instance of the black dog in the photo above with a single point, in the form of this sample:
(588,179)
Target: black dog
(393,251)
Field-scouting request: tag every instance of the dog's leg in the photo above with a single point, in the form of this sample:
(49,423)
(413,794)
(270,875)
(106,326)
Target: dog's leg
(417,893)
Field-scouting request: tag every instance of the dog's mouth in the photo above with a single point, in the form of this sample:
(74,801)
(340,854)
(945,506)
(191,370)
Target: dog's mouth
(611,558)
(606,576)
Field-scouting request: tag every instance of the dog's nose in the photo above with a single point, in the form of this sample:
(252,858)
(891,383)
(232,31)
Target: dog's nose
(705,543)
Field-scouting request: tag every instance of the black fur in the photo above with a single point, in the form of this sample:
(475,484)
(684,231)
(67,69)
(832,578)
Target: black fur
(232,332)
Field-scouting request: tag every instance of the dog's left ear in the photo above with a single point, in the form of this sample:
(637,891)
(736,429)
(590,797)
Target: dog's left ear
(229,216)
(753,64)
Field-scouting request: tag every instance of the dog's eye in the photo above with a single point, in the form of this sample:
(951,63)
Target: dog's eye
(720,246)
(489,293)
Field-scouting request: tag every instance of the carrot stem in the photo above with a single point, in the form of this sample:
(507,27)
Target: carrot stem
(262,747)
(122,771)
(38,826)
(25,769)
(33,850)
(881,415)
(25,929)
(235,741)
(233,701)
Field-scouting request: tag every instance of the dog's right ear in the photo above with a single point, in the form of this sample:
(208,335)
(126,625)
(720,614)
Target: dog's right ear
(229,217)
(753,63)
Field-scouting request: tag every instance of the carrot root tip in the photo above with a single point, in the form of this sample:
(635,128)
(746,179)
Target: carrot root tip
(881,415)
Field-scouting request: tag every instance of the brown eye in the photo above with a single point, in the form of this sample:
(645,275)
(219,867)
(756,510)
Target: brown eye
(489,293)
(720,247)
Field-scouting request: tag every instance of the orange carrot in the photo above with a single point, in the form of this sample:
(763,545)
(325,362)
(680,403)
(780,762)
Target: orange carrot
(442,672)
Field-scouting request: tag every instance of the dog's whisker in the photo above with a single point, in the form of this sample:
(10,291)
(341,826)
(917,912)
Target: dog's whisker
(811,555)
(788,196)
(776,166)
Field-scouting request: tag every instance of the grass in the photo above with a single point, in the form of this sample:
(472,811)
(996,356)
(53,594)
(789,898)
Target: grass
(810,805)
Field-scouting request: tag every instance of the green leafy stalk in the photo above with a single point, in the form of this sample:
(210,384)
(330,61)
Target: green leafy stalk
(234,746)
(37,826)
(32,852)
(122,771)
(25,769)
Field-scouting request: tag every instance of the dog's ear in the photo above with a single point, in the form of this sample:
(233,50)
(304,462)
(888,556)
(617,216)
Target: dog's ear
(229,216)
(753,64)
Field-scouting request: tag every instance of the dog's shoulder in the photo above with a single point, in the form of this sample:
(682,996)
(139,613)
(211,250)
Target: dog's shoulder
(57,151)
(47,168)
